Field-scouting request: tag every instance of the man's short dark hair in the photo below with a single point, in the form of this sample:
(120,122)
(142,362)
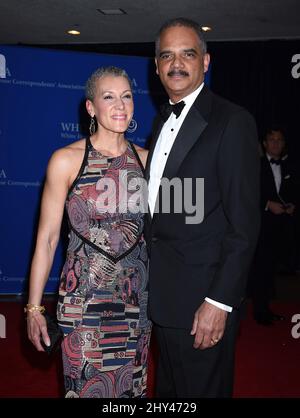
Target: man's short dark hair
(181,21)
(274,128)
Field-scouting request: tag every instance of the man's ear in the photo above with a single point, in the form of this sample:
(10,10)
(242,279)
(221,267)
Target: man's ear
(206,61)
(156,66)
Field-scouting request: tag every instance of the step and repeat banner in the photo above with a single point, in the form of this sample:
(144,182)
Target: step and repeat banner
(42,108)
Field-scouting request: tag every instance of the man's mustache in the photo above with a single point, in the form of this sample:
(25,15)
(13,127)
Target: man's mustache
(178,72)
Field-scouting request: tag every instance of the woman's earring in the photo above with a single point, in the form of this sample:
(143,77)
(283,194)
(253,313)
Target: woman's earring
(92,127)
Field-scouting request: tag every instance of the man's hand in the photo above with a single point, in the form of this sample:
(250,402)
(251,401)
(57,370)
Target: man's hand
(275,207)
(290,208)
(208,326)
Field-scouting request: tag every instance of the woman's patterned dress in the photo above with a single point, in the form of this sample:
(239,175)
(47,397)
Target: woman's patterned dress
(102,305)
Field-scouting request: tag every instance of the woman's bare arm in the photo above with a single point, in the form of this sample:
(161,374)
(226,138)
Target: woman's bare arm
(52,208)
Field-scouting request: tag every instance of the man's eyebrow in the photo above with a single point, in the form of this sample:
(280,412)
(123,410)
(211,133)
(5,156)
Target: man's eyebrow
(190,50)
(166,51)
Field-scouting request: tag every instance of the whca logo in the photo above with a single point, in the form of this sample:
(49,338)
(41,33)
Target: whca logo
(132,126)
(2,66)
(2,174)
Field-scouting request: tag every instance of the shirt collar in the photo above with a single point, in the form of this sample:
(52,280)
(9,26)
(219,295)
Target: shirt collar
(190,98)
(269,157)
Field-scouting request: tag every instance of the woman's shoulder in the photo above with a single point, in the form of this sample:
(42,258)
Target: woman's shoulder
(66,157)
(72,150)
(142,153)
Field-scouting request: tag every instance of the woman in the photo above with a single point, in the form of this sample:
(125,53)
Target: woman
(103,288)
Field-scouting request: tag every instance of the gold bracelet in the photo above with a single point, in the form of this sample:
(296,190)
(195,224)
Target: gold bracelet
(33,308)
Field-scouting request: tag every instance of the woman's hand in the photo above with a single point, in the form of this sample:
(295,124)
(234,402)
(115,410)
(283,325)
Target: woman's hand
(37,329)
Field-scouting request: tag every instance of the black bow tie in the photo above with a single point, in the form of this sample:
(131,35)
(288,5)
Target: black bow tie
(273,161)
(166,109)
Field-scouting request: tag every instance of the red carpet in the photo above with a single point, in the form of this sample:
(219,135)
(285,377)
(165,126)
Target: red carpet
(267,360)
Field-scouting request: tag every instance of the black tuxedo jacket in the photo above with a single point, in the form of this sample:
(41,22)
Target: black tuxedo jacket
(288,187)
(217,142)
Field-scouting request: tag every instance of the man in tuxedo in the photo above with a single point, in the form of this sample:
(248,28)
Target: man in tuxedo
(198,266)
(276,239)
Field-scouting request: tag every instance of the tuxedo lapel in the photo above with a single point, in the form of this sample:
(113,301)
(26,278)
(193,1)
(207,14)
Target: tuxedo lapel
(190,131)
(285,175)
(268,172)
(188,135)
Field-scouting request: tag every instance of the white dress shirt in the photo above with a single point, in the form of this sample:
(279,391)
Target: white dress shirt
(160,156)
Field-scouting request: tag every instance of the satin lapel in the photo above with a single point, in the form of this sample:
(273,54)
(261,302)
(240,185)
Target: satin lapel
(269,173)
(284,172)
(189,133)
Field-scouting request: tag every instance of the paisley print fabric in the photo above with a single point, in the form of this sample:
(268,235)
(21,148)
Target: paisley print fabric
(103,292)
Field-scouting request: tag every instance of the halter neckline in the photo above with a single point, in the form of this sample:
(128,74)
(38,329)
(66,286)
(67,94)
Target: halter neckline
(106,156)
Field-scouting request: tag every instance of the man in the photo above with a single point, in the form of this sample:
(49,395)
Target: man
(276,239)
(198,270)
